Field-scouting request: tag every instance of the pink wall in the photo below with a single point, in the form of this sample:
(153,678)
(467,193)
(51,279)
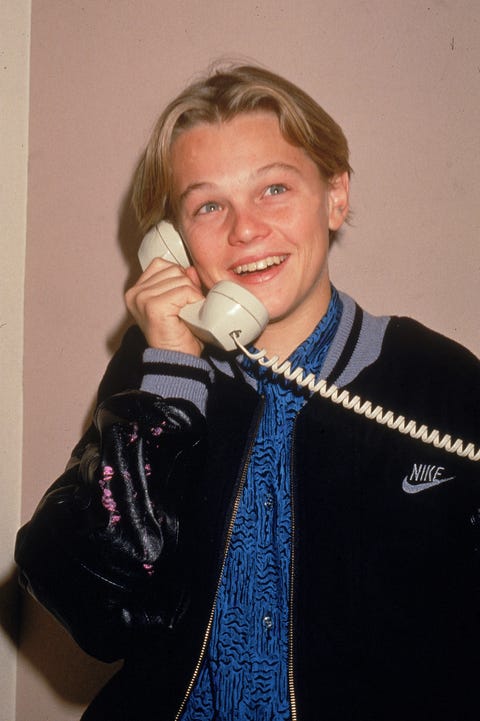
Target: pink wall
(402,79)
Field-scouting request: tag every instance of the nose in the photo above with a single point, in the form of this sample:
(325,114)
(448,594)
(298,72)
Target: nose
(247,224)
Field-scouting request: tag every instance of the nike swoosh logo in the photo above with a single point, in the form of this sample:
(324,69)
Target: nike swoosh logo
(417,487)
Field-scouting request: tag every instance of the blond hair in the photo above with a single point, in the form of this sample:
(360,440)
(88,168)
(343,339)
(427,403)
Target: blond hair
(222,95)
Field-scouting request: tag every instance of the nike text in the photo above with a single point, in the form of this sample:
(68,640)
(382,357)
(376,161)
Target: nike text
(423,476)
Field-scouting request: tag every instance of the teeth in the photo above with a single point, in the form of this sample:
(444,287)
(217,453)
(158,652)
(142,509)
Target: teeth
(260,264)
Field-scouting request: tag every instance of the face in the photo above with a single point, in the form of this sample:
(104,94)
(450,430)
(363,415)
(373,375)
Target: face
(254,209)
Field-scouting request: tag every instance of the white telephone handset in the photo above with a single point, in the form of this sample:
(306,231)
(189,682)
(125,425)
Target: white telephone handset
(228,310)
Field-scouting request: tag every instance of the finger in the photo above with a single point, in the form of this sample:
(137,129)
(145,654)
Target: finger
(157,267)
(170,288)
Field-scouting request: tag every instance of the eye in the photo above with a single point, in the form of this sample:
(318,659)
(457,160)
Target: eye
(276,189)
(210,207)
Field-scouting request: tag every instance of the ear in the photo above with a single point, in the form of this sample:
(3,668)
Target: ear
(338,189)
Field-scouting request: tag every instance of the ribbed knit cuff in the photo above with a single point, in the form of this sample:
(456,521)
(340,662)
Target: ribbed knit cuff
(170,374)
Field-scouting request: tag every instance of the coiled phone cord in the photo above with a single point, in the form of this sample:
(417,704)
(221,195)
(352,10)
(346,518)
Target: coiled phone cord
(364,408)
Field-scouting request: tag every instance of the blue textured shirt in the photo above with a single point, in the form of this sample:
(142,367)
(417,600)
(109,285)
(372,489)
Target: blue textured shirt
(245,671)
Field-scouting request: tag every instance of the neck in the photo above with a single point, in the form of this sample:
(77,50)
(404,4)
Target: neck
(281,337)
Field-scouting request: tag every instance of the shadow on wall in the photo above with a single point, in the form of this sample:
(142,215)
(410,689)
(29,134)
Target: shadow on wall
(71,674)
(10,606)
(128,241)
(128,238)
(44,644)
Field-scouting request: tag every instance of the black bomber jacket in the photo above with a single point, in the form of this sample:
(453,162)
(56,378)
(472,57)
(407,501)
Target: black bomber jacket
(126,548)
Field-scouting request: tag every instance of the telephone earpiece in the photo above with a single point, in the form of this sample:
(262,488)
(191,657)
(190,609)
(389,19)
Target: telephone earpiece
(163,241)
(229,309)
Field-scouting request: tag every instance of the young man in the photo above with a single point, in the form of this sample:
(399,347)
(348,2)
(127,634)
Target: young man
(252,549)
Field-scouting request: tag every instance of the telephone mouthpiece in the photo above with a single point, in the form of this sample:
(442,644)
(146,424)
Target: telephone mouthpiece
(228,309)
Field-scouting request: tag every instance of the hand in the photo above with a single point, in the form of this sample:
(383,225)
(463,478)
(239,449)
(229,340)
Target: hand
(157,298)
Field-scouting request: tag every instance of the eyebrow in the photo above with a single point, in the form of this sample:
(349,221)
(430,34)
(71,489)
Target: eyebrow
(192,187)
(204,185)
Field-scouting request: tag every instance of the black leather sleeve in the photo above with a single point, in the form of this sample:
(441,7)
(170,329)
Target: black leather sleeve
(105,551)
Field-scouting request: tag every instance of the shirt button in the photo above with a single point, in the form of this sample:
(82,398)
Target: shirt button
(268,502)
(267,622)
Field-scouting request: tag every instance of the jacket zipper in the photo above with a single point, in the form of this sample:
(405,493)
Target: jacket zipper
(291,681)
(236,504)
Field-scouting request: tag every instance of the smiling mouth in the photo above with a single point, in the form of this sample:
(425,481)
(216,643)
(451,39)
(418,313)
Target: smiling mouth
(259,264)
